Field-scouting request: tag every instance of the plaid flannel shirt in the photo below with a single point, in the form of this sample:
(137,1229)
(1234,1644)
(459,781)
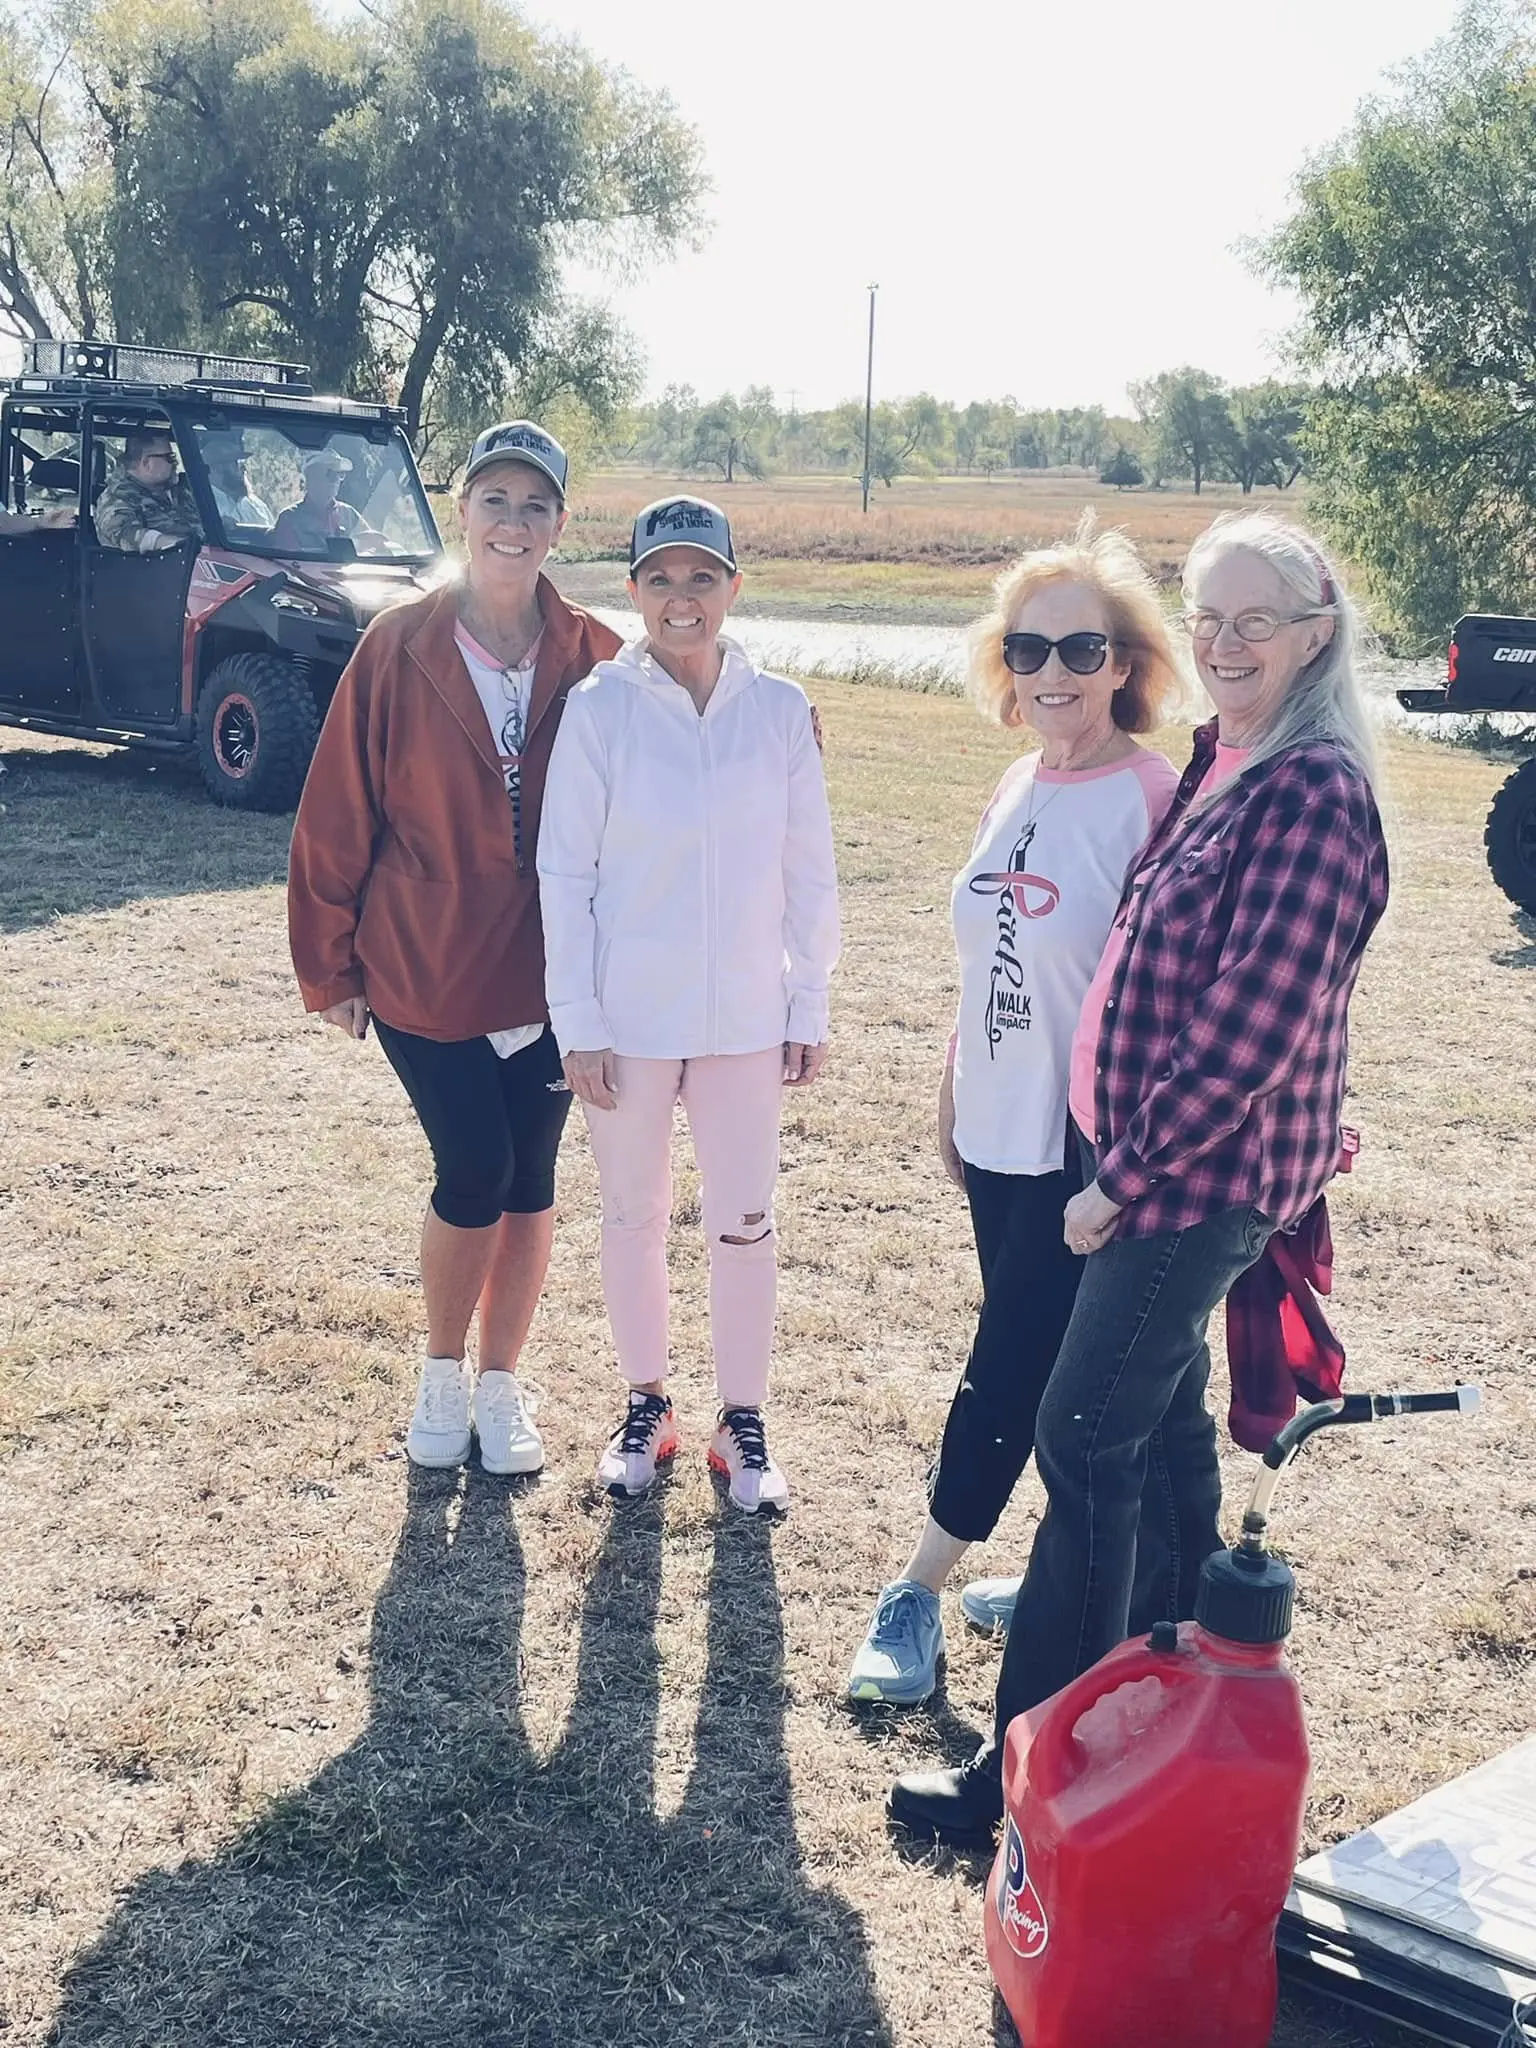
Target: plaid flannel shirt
(1220,1067)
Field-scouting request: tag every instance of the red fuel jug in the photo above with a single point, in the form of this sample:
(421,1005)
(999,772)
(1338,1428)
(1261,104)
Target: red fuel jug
(1153,1810)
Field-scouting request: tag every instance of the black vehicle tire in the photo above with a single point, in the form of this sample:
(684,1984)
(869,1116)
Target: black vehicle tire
(256,729)
(1511,837)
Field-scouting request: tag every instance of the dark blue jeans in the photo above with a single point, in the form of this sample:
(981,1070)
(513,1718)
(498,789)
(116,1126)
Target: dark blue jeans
(1127,1452)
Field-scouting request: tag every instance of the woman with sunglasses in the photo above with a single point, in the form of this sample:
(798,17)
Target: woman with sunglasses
(1207,1082)
(1076,652)
(413,903)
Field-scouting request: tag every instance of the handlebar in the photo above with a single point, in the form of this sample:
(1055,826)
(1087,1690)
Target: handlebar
(1349,1408)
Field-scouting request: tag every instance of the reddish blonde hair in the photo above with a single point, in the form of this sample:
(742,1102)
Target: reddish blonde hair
(1108,565)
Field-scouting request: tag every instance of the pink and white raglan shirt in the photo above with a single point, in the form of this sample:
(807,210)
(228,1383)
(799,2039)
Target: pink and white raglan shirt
(1032,908)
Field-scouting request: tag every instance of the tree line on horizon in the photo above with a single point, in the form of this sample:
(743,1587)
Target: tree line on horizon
(396,195)
(1188,427)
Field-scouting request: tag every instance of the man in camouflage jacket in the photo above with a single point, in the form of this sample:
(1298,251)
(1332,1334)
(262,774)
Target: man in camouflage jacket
(146,506)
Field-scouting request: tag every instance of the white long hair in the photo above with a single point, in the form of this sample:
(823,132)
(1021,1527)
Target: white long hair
(1326,700)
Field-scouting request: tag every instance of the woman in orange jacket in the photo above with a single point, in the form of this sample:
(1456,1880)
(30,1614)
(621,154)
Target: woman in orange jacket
(413,902)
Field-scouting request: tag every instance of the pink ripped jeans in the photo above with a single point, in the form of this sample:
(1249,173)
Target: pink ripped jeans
(732,1105)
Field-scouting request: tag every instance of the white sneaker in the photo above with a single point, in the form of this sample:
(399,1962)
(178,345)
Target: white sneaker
(508,1440)
(439,1432)
(738,1451)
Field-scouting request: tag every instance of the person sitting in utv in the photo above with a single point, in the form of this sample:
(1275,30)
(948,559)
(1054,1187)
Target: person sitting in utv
(147,505)
(237,502)
(320,515)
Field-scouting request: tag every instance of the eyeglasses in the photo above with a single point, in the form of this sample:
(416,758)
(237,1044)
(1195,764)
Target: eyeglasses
(1025,654)
(1255,627)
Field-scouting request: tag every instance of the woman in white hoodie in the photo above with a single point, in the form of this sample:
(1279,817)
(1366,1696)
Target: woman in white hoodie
(689,893)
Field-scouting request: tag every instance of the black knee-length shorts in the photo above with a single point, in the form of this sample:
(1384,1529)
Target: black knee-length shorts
(494,1125)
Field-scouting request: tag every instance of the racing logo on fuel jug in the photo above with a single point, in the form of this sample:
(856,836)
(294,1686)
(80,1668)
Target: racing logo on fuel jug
(1018,1903)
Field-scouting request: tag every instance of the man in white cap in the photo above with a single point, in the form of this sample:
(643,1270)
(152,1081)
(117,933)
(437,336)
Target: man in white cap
(321,516)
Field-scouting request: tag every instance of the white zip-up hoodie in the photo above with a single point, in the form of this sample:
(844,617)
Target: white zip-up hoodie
(686,870)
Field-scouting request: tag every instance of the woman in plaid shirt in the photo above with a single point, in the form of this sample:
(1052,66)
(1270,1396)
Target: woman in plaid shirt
(1207,1084)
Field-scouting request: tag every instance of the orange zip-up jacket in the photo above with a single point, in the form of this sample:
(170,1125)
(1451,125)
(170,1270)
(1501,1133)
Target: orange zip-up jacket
(409,881)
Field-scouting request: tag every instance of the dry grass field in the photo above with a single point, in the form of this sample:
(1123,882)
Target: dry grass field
(928,547)
(300,1748)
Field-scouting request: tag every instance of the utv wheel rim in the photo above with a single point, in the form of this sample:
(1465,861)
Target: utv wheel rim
(236,737)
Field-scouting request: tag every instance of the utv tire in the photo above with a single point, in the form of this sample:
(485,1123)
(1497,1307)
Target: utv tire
(1511,837)
(256,729)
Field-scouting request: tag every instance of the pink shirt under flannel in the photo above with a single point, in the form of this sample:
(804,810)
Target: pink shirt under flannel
(1228,761)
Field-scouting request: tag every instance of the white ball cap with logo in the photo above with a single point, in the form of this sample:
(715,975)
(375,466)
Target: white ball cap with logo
(519,441)
(682,523)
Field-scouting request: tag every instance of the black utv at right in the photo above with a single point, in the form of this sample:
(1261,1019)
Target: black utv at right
(1492,667)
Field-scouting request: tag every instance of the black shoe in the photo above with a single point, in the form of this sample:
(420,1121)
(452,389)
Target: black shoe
(960,1807)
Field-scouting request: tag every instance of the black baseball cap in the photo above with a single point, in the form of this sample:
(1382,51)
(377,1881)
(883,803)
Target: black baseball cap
(682,523)
(519,441)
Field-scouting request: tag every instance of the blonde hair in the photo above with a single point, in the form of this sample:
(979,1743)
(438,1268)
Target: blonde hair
(1325,700)
(1108,565)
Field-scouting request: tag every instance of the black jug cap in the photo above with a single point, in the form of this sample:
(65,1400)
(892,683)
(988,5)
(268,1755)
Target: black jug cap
(1246,1597)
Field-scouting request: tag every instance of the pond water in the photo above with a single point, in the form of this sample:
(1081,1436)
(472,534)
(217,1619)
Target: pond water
(931,657)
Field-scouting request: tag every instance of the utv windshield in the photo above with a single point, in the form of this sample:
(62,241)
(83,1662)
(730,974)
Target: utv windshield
(314,489)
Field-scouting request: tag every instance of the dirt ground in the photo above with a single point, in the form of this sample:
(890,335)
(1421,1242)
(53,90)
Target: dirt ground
(300,1747)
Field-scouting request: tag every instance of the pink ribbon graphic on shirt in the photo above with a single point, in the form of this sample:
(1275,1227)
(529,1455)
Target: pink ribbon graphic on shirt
(1019,895)
(1016,884)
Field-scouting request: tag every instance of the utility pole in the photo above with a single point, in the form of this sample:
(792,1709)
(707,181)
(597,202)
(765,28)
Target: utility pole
(869,390)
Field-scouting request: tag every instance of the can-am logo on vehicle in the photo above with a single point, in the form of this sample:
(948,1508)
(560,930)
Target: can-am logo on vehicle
(1018,1903)
(1514,654)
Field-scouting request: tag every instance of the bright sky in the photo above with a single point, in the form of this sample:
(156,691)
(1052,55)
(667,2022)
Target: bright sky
(1048,196)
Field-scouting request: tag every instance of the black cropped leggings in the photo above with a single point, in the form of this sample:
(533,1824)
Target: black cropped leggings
(1029,1283)
(494,1125)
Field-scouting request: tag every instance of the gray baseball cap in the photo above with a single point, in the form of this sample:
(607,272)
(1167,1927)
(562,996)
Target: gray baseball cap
(519,441)
(682,523)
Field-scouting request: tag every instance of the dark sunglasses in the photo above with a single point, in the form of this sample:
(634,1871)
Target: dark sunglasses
(1027,653)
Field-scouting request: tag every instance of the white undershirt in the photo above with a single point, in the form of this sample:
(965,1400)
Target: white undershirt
(505,695)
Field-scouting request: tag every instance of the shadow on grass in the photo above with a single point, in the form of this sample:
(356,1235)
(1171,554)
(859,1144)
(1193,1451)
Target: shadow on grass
(438,1882)
(83,830)
(1525,955)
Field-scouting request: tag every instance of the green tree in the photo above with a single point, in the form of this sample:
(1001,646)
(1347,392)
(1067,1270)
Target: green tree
(726,434)
(1413,250)
(54,194)
(1187,414)
(898,429)
(388,196)
(1266,425)
(1123,470)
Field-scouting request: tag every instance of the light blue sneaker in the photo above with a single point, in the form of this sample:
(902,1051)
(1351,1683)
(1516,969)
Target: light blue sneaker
(987,1604)
(898,1661)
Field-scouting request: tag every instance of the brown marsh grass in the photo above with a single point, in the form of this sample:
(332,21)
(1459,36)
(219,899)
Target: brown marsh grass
(300,1748)
(955,523)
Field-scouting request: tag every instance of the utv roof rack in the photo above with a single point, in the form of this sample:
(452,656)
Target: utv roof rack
(138,376)
(116,362)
